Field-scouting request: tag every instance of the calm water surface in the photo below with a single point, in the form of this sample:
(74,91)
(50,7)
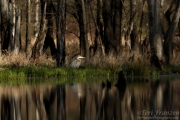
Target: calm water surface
(138,98)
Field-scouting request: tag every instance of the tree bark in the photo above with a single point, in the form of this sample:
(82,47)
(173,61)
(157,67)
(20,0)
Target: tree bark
(118,24)
(37,19)
(108,26)
(38,46)
(12,20)
(49,41)
(85,30)
(155,31)
(28,38)
(170,33)
(99,29)
(17,32)
(61,26)
(0,28)
(84,45)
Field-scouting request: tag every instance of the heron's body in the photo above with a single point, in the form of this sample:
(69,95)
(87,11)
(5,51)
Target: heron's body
(76,63)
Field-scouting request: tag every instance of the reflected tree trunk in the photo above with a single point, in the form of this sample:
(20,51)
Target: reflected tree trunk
(61,104)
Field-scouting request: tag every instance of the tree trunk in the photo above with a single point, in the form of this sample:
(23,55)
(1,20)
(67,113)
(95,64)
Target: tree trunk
(108,26)
(99,29)
(85,30)
(17,32)
(0,28)
(118,24)
(155,31)
(38,46)
(12,20)
(170,33)
(4,19)
(28,38)
(61,26)
(84,45)
(37,19)
(49,41)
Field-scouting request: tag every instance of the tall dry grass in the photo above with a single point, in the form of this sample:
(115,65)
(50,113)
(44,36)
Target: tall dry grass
(21,60)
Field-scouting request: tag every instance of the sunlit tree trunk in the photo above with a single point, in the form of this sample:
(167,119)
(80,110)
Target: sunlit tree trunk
(170,33)
(17,32)
(28,38)
(155,31)
(38,46)
(37,19)
(61,26)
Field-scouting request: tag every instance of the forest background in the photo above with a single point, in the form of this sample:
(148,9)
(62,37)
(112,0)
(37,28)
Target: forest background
(109,33)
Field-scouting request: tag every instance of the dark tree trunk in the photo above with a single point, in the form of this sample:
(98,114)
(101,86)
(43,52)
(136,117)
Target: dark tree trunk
(112,16)
(170,33)
(49,41)
(4,25)
(155,31)
(38,46)
(99,27)
(117,23)
(28,39)
(61,103)
(61,26)
(108,26)
(0,28)
(84,45)
(84,34)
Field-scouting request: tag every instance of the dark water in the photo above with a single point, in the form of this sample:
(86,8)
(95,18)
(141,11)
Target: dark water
(135,99)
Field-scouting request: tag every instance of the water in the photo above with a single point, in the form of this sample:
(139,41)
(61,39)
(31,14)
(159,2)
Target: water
(138,98)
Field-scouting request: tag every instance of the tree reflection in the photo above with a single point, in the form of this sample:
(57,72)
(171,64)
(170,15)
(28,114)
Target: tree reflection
(119,100)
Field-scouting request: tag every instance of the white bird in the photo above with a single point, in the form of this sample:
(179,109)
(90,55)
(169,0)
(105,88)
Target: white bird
(76,63)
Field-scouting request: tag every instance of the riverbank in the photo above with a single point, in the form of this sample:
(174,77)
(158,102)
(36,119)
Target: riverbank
(10,71)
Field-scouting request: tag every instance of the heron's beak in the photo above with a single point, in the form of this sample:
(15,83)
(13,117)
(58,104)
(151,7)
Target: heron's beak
(82,57)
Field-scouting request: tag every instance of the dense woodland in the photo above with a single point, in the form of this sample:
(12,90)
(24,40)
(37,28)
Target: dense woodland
(127,29)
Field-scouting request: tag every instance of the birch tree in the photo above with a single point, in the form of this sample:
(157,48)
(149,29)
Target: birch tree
(37,19)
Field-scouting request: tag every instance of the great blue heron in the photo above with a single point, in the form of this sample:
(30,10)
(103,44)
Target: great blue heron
(76,63)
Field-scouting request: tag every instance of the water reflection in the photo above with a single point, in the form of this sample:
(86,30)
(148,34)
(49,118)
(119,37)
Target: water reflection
(92,101)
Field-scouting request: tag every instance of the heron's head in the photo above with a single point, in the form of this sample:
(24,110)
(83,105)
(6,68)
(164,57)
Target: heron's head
(80,57)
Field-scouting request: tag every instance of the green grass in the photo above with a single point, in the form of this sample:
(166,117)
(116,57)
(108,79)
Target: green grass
(48,72)
(13,74)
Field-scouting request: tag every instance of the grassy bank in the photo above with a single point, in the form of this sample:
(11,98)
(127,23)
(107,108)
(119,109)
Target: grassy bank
(48,71)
